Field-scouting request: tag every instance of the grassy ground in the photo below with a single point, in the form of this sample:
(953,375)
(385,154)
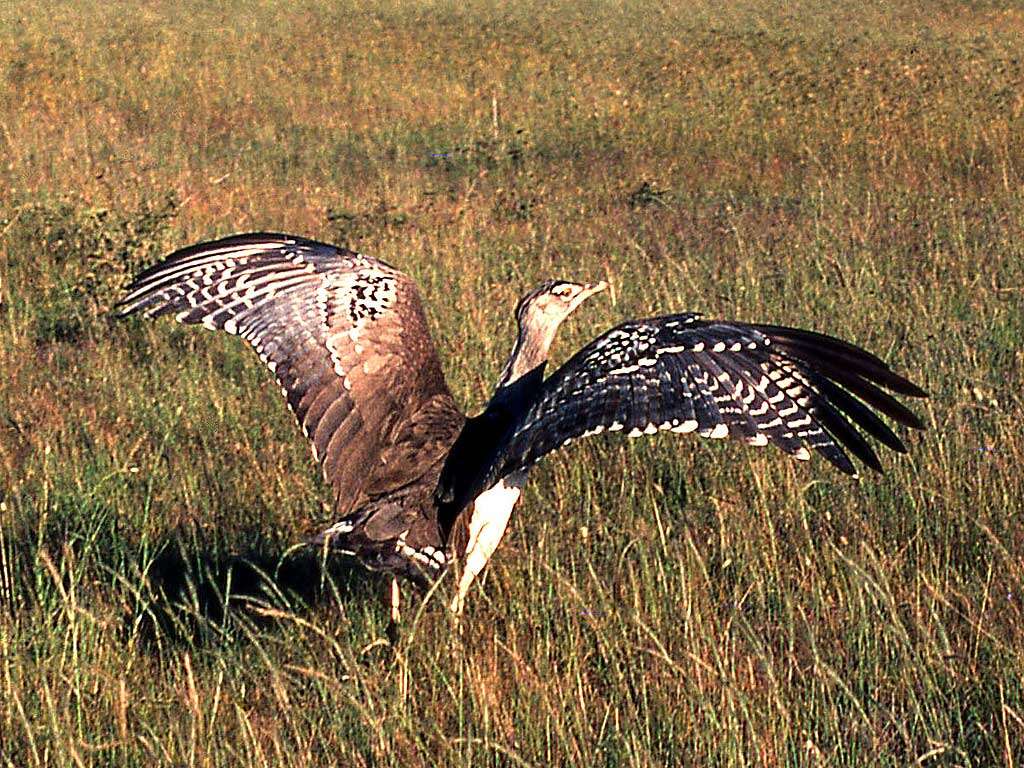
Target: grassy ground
(855,169)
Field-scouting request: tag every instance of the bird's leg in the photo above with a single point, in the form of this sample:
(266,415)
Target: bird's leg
(396,600)
(396,615)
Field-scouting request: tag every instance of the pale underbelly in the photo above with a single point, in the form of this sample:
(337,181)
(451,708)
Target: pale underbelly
(491,512)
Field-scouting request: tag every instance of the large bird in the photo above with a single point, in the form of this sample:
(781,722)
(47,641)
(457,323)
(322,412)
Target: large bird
(418,486)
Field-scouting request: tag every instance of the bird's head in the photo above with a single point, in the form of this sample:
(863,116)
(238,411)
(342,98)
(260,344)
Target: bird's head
(539,313)
(544,308)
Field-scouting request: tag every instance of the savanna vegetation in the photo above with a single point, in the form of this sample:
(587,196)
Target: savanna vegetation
(851,167)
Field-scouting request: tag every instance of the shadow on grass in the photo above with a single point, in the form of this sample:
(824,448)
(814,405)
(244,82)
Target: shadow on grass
(192,596)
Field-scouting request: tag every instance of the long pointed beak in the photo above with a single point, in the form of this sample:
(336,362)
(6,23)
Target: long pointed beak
(589,289)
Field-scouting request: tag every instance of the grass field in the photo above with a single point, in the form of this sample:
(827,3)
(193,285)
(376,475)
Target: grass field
(855,168)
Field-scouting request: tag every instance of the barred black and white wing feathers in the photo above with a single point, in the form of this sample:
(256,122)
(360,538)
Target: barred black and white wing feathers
(795,389)
(345,336)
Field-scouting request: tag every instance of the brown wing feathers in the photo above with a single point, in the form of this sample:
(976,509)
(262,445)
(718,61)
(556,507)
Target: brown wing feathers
(343,333)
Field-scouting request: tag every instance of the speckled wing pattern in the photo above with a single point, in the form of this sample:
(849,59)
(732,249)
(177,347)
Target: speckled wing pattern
(795,389)
(346,338)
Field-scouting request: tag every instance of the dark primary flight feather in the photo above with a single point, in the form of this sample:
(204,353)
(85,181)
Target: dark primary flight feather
(795,389)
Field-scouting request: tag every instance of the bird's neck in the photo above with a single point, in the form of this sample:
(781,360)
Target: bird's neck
(473,455)
(529,354)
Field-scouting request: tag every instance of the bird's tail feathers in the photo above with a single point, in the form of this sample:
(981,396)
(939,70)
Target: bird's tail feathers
(421,562)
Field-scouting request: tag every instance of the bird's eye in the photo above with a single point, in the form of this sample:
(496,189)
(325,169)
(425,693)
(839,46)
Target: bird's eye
(563,291)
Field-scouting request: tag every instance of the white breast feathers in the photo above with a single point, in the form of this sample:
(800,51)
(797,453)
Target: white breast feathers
(491,512)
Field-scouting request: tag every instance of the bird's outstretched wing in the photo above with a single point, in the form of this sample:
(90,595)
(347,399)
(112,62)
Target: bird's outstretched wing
(796,389)
(345,335)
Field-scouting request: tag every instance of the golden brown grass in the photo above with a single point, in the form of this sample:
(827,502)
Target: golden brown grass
(854,168)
